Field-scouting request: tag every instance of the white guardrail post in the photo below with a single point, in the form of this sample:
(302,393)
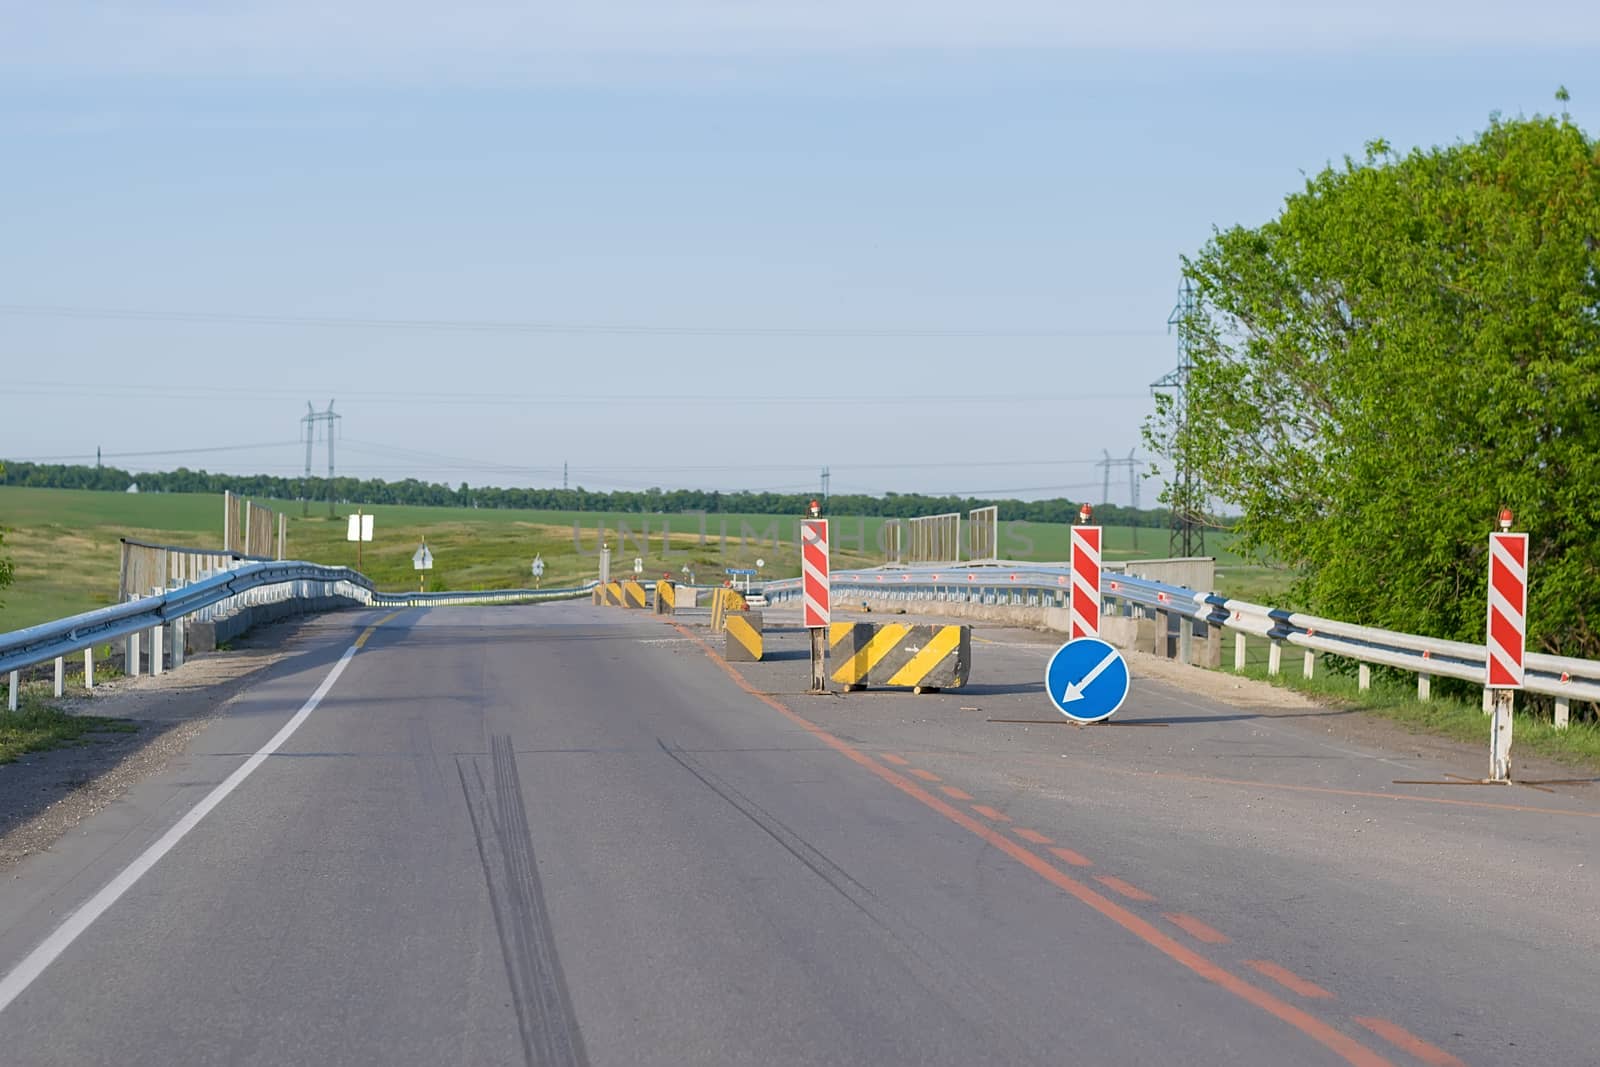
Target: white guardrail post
(223,591)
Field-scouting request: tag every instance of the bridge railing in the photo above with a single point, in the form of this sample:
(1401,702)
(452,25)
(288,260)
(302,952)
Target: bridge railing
(234,585)
(1033,585)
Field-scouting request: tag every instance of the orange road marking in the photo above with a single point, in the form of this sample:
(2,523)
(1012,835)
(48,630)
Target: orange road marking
(1403,1039)
(1132,892)
(954,793)
(366,635)
(991,813)
(1031,835)
(1346,1047)
(927,776)
(1289,980)
(1198,930)
(887,757)
(1071,857)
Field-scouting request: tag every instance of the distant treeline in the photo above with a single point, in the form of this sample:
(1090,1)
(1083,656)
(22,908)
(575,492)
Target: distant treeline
(648,501)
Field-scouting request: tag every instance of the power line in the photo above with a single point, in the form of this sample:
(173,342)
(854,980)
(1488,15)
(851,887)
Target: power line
(491,326)
(96,455)
(434,399)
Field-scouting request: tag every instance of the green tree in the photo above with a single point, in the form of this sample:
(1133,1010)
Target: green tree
(1411,344)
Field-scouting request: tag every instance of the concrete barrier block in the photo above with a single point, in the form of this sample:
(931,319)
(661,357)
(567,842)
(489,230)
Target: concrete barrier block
(1119,630)
(925,658)
(745,636)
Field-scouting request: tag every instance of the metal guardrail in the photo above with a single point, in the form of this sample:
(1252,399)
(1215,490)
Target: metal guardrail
(244,585)
(1033,585)
(488,596)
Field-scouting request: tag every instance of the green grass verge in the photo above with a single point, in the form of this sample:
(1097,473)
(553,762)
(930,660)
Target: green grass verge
(39,727)
(1396,699)
(64,545)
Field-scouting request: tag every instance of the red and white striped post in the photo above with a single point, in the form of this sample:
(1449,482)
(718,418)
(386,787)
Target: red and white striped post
(1507,637)
(1084,597)
(814,591)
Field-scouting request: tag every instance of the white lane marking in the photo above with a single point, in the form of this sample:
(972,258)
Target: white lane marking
(34,964)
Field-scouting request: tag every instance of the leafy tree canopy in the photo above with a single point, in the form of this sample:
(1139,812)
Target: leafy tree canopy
(1413,343)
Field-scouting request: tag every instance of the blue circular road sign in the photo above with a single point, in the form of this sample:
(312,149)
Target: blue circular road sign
(1087,680)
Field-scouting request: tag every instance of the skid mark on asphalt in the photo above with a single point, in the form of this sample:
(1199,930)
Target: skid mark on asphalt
(820,865)
(932,965)
(1323,1033)
(546,1022)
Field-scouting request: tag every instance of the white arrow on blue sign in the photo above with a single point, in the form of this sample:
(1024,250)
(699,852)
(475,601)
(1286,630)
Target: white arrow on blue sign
(1087,680)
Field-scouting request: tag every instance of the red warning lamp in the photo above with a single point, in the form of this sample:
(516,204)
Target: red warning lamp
(1505,519)
(816,509)
(1085,513)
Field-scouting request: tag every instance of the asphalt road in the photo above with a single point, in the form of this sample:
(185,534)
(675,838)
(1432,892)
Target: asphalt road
(563,834)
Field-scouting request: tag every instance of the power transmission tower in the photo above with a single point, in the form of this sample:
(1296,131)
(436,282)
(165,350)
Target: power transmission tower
(1133,483)
(308,425)
(563,474)
(1187,536)
(825,476)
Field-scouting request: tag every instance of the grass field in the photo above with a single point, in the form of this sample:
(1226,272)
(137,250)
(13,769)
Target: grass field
(65,545)
(38,726)
(1396,698)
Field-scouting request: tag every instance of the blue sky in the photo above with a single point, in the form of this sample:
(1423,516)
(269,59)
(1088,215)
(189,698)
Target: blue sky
(930,246)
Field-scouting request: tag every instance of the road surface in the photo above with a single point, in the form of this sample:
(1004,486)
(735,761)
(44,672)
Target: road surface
(564,834)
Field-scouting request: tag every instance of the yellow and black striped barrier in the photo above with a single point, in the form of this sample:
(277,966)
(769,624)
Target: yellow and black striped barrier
(614,594)
(744,631)
(666,597)
(632,594)
(724,601)
(599,595)
(926,658)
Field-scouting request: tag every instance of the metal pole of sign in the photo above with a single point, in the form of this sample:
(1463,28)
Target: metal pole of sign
(819,678)
(1500,737)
